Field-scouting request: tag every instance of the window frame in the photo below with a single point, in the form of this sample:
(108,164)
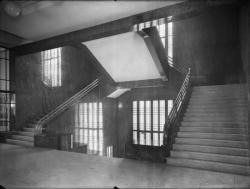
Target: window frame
(86,123)
(52,67)
(137,132)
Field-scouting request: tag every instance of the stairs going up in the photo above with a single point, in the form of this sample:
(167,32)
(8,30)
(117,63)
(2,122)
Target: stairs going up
(25,137)
(213,133)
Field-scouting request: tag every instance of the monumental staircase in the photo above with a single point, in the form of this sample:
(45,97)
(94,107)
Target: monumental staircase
(213,133)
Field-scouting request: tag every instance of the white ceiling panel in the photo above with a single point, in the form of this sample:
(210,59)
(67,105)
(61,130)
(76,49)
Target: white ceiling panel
(125,57)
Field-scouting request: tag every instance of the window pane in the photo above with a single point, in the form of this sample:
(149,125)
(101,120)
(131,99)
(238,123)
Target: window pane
(170,106)
(51,67)
(155,115)
(148,115)
(162,114)
(134,115)
(141,113)
(142,139)
(170,28)
(135,141)
(155,139)
(148,138)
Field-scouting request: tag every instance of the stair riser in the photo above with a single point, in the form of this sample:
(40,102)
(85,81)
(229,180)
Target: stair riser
(29,129)
(212,130)
(20,143)
(216,106)
(224,116)
(215,119)
(211,157)
(23,138)
(213,136)
(209,124)
(214,101)
(214,150)
(26,133)
(218,143)
(210,166)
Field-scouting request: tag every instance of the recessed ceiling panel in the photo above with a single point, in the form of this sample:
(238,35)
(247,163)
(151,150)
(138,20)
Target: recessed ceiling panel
(125,57)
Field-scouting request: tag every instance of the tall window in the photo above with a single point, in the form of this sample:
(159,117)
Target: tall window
(165,29)
(7,97)
(170,105)
(89,126)
(170,39)
(159,24)
(148,122)
(51,67)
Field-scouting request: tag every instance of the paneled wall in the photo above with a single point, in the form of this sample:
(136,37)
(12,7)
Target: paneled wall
(209,44)
(34,98)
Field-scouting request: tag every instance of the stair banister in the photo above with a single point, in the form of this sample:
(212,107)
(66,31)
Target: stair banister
(173,117)
(72,100)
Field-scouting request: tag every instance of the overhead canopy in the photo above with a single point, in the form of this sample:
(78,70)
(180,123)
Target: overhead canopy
(125,57)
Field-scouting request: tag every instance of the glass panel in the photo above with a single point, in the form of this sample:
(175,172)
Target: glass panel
(135,140)
(142,139)
(170,105)
(161,139)
(155,139)
(155,115)
(141,115)
(134,115)
(148,115)
(51,64)
(148,139)
(162,114)
(170,28)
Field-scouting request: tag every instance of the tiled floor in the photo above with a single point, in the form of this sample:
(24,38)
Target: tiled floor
(33,167)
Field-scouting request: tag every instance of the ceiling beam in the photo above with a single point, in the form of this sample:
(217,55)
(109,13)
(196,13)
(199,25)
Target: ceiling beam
(156,49)
(183,10)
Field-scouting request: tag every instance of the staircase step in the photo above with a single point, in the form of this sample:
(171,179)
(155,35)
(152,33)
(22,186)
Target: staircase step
(219,101)
(214,124)
(217,106)
(213,119)
(19,142)
(209,165)
(217,136)
(213,130)
(29,129)
(211,149)
(210,115)
(26,133)
(211,157)
(23,138)
(212,142)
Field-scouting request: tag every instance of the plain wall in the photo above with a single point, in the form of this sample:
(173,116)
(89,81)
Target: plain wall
(34,98)
(209,45)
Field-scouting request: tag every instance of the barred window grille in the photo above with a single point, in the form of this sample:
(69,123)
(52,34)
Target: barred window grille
(7,97)
(149,117)
(89,126)
(51,67)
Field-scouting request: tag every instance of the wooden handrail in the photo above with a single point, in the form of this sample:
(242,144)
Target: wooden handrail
(65,105)
(174,115)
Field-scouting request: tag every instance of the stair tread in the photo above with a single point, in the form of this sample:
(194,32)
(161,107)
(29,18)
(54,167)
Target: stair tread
(19,142)
(211,149)
(237,160)
(210,165)
(212,142)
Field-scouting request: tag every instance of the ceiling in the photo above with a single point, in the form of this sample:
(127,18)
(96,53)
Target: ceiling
(43,19)
(125,57)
